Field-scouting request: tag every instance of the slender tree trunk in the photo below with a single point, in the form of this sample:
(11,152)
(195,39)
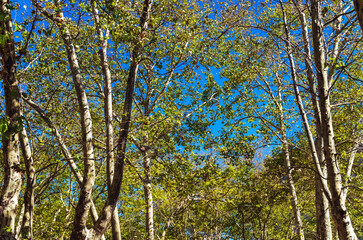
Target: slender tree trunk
(304,117)
(290,182)
(168,223)
(322,210)
(12,176)
(148,196)
(340,213)
(350,165)
(84,202)
(181,205)
(106,214)
(20,222)
(64,149)
(145,150)
(288,168)
(115,222)
(323,225)
(27,221)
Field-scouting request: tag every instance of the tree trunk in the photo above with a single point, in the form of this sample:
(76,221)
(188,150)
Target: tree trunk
(340,213)
(106,214)
(288,168)
(20,222)
(12,176)
(148,197)
(64,149)
(27,221)
(115,223)
(84,202)
(323,226)
(358,5)
(290,182)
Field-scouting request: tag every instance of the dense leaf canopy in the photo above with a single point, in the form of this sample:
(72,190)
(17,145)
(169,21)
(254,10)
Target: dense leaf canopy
(171,119)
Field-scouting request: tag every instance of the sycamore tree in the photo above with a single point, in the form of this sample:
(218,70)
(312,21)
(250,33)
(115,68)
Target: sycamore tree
(180,119)
(264,86)
(327,77)
(62,74)
(313,75)
(13,133)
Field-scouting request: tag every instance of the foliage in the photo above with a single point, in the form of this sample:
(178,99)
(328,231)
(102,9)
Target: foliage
(205,110)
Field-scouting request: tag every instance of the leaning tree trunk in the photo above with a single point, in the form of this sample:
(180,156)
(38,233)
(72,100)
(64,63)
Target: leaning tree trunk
(290,182)
(12,176)
(64,149)
(79,230)
(288,168)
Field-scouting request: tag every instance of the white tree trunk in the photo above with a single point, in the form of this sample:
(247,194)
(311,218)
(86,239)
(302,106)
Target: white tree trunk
(323,225)
(339,211)
(288,168)
(106,214)
(64,149)
(115,222)
(148,197)
(27,221)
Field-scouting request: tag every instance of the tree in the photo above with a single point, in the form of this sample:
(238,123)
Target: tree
(273,30)
(178,120)
(11,125)
(359,11)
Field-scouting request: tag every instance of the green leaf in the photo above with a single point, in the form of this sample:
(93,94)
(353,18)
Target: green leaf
(3,39)
(3,125)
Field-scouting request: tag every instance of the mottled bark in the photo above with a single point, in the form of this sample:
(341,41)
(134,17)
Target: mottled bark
(304,117)
(145,148)
(20,222)
(348,171)
(339,211)
(84,201)
(291,184)
(148,196)
(12,175)
(323,225)
(64,149)
(106,214)
(115,222)
(27,221)
(79,230)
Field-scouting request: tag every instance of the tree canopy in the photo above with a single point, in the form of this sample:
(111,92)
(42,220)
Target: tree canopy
(171,119)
